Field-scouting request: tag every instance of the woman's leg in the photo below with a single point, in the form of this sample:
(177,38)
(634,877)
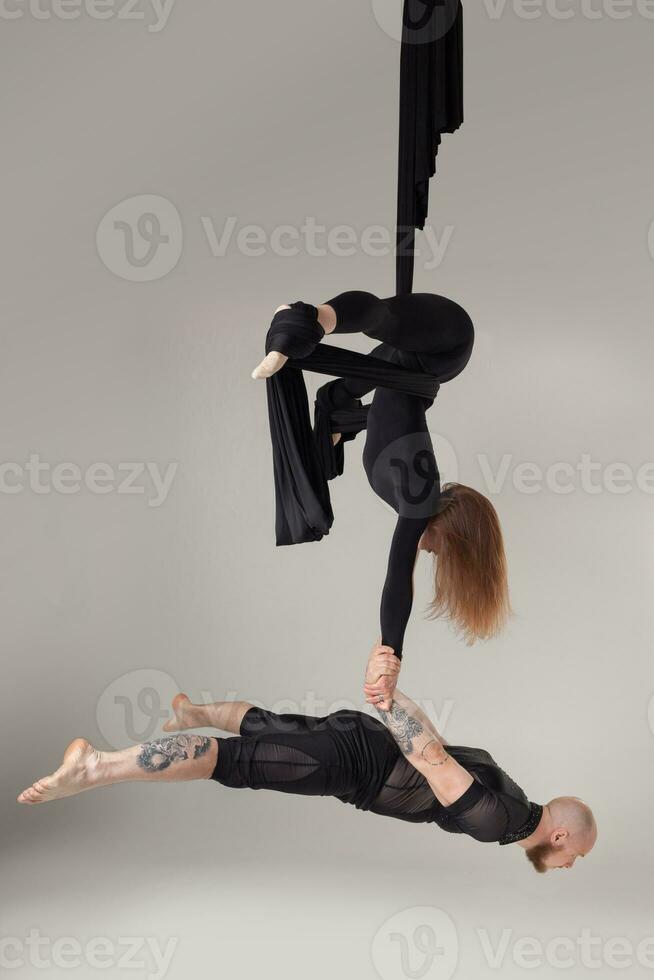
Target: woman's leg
(171,758)
(418,323)
(224,715)
(434,328)
(353,312)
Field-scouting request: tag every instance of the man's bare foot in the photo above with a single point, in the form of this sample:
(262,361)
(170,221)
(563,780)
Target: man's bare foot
(184,715)
(78,772)
(270,365)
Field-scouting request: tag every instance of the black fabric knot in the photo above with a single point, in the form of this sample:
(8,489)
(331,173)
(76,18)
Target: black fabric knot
(336,411)
(295,332)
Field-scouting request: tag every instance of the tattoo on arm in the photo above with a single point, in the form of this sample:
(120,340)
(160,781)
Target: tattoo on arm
(402,726)
(162,752)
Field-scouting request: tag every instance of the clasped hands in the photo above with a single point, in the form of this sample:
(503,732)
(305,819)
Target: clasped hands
(382,674)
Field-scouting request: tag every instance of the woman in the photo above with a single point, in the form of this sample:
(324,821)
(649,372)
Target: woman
(425,340)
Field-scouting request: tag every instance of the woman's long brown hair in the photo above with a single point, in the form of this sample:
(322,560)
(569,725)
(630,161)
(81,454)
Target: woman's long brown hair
(470,565)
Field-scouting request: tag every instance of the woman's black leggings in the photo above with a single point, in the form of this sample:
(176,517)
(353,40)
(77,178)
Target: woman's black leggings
(434,328)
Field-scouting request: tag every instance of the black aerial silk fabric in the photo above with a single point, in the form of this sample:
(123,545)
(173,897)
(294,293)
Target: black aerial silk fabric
(352,757)
(302,461)
(431,104)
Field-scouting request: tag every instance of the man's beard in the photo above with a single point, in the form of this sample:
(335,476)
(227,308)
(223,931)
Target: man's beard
(538,855)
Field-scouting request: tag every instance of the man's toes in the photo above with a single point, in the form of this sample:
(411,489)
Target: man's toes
(36,793)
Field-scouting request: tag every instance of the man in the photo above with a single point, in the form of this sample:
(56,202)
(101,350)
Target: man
(401,768)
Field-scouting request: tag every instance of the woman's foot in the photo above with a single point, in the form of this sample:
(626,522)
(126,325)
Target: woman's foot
(80,770)
(270,365)
(185,715)
(275,361)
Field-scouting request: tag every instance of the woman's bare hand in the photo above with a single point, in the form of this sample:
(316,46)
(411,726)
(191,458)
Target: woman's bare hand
(382,674)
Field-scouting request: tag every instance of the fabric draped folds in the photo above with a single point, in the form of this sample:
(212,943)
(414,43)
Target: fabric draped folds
(431,104)
(304,459)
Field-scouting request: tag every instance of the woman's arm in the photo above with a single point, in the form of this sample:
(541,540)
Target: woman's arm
(397,594)
(416,736)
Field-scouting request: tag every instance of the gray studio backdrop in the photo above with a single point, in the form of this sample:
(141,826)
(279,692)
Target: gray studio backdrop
(171,173)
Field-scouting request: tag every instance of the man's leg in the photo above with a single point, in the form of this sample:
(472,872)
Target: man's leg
(224,715)
(171,758)
(227,716)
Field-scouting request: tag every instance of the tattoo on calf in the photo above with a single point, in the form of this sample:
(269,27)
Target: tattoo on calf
(402,726)
(162,752)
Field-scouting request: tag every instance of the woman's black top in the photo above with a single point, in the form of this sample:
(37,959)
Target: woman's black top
(421,333)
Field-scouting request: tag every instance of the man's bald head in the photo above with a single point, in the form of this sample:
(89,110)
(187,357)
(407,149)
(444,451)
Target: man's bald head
(573,834)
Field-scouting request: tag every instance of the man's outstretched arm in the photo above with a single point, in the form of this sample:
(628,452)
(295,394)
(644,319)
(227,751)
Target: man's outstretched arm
(414,733)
